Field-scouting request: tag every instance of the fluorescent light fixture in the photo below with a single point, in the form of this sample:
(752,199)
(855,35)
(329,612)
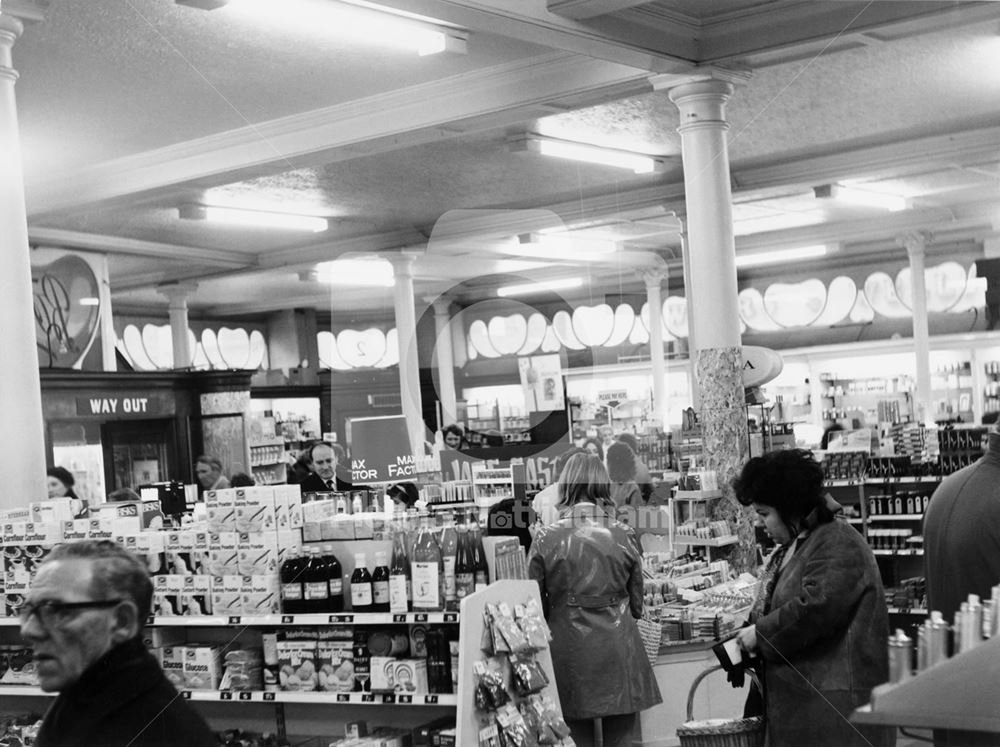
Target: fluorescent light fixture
(863,197)
(89,301)
(520,290)
(640,163)
(370,273)
(551,246)
(780,255)
(359,20)
(261,218)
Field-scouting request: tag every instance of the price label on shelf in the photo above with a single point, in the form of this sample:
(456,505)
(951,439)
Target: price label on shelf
(450,617)
(287,619)
(186,694)
(399,618)
(235,620)
(430,699)
(343,698)
(245,696)
(389,698)
(335,619)
(367,697)
(420,617)
(268,697)
(405,699)
(225,695)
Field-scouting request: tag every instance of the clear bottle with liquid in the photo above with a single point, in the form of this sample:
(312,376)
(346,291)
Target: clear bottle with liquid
(400,588)
(334,579)
(427,570)
(449,551)
(380,583)
(361,585)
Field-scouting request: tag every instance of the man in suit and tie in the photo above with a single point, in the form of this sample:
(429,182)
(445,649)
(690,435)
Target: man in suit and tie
(323,478)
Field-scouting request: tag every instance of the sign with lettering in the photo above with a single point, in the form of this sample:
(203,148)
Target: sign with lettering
(615,396)
(67,309)
(114,405)
(380,450)
(760,365)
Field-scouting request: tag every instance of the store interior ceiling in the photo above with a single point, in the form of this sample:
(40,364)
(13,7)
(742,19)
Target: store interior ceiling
(136,114)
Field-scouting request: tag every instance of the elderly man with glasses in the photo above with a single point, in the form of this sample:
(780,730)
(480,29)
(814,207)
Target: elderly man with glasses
(83,619)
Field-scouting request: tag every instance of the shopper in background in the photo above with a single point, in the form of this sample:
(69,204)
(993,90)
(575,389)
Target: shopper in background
(453,437)
(547,499)
(621,469)
(241,480)
(593,446)
(60,485)
(642,477)
(208,470)
(299,468)
(820,622)
(123,494)
(589,569)
(83,620)
(405,495)
(325,460)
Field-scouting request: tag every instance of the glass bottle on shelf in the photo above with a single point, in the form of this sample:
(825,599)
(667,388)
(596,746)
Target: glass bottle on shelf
(361,585)
(380,583)
(426,570)
(315,586)
(480,566)
(290,575)
(465,570)
(449,549)
(400,593)
(334,579)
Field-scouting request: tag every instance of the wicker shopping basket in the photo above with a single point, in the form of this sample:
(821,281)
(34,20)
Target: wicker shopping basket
(720,732)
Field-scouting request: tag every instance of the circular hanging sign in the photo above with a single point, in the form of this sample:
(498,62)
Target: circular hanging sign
(760,365)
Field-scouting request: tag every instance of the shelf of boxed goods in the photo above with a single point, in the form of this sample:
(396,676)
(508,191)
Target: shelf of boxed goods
(680,539)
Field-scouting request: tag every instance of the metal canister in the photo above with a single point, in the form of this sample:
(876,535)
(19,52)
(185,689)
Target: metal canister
(937,639)
(900,657)
(922,647)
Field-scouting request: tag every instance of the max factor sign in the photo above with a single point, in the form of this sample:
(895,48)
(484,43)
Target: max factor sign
(119,406)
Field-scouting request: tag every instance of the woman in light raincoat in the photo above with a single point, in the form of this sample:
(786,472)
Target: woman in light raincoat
(589,568)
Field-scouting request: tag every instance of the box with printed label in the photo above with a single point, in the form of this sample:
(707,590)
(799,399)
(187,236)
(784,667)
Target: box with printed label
(294,495)
(382,674)
(53,509)
(410,676)
(202,667)
(223,554)
(288,540)
(297,665)
(337,528)
(335,662)
(101,529)
(19,669)
(255,509)
(75,529)
(179,548)
(257,553)
(196,599)
(172,663)
(220,510)
(227,595)
(43,533)
(167,592)
(280,509)
(259,595)
(201,553)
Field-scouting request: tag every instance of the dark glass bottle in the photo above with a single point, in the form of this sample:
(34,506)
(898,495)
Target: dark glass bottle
(315,588)
(380,584)
(334,579)
(290,573)
(465,571)
(361,585)
(480,566)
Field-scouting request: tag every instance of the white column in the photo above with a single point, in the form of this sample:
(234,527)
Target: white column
(22,458)
(409,367)
(445,359)
(178,294)
(654,299)
(711,253)
(916,245)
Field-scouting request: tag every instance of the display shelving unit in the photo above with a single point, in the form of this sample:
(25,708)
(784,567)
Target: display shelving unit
(267,461)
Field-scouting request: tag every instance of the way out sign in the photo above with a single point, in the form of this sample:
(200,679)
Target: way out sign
(380,450)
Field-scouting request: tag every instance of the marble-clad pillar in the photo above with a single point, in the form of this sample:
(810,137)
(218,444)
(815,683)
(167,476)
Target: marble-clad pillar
(444,357)
(654,300)
(715,326)
(409,366)
(177,294)
(22,460)
(916,247)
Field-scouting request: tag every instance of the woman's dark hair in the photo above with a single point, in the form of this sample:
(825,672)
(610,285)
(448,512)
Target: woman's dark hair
(628,438)
(455,430)
(584,480)
(560,463)
(406,493)
(597,443)
(789,481)
(241,480)
(621,462)
(62,474)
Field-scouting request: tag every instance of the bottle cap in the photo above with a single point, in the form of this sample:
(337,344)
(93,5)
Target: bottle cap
(936,616)
(360,561)
(973,599)
(381,558)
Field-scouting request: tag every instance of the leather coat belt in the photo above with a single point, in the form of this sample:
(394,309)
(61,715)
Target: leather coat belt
(590,601)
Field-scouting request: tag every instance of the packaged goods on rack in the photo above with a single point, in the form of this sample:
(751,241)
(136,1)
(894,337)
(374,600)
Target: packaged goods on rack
(710,530)
(19,728)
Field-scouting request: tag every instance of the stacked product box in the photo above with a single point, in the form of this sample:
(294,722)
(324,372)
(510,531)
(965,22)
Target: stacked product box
(343,516)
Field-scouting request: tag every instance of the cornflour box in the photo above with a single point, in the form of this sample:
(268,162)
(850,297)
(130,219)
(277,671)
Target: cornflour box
(101,529)
(75,529)
(201,553)
(167,594)
(335,662)
(53,509)
(297,665)
(202,667)
(179,548)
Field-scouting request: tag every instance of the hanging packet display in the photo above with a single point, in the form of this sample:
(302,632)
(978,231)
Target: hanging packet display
(513,731)
(527,675)
(533,625)
(515,639)
(490,691)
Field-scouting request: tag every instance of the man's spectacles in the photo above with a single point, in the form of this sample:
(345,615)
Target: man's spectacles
(52,614)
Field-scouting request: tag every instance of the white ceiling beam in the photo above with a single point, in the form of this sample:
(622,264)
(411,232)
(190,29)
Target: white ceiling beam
(288,142)
(583,9)
(57,237)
